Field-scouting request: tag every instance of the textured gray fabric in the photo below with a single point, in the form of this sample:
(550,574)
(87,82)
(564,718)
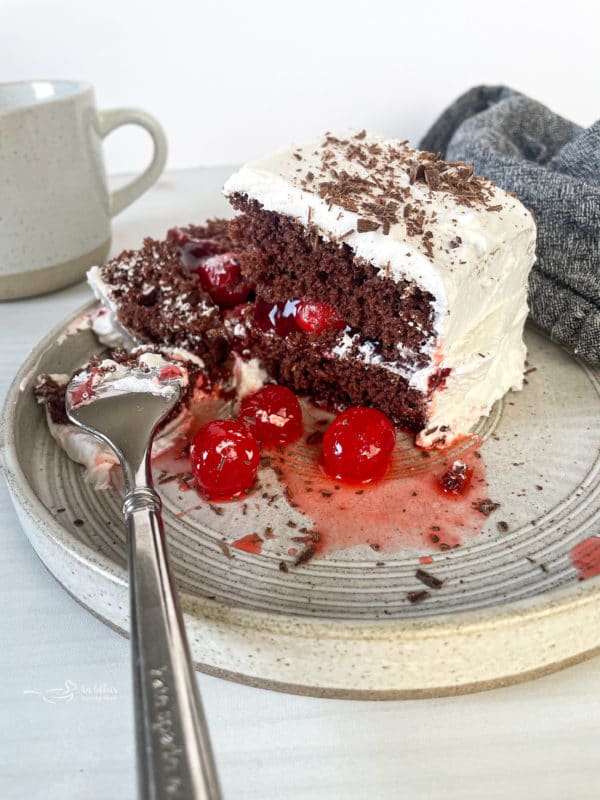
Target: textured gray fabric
(553,166)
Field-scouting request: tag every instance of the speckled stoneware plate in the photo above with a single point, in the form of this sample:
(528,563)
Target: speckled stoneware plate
(517,600)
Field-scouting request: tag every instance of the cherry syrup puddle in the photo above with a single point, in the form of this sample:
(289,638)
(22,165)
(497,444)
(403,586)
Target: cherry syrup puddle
(406,509)
(585,557)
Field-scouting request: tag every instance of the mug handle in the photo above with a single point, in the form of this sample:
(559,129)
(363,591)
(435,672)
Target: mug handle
(114,118)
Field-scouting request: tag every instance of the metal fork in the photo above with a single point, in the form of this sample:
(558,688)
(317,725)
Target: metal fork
(174,755)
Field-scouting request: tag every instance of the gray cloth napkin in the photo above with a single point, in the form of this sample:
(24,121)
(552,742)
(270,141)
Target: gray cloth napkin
(553,166)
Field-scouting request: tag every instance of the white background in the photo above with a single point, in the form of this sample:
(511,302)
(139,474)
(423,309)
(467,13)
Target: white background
(233,80)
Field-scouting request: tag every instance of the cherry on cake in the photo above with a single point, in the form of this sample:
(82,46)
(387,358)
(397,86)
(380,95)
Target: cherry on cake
(384,277)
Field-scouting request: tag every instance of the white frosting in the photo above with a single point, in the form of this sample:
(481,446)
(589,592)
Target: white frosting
(100,288)
(479,282)
(107,329)
(79,324)
(99,460)
(350,346)
(83,448)
(104,321)
(248,376)
(114,377)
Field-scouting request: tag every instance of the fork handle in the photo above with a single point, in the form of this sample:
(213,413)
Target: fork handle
(174,754)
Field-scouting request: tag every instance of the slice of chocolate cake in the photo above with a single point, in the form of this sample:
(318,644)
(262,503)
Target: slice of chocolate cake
(155,295)
(384,276)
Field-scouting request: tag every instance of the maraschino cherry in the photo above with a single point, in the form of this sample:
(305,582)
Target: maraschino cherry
(290,316)
(273,414)
(277,317)
(317,317)
(357,446)
(221,277)
(224,456)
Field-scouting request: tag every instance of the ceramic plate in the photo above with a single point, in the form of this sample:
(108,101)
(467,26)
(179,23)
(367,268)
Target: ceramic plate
(389,606)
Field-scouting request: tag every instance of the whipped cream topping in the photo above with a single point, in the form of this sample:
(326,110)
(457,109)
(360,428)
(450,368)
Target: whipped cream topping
(104,321)
(108,330)
(248,376)
(100,288)
(472,255)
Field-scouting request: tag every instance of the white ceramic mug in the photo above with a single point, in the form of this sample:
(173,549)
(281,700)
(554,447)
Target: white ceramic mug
(55,207)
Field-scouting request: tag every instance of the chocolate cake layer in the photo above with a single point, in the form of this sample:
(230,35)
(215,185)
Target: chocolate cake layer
(288,261)
(338,383)
(161,302)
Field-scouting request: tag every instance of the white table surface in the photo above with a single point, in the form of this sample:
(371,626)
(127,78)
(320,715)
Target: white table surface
(535,740)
